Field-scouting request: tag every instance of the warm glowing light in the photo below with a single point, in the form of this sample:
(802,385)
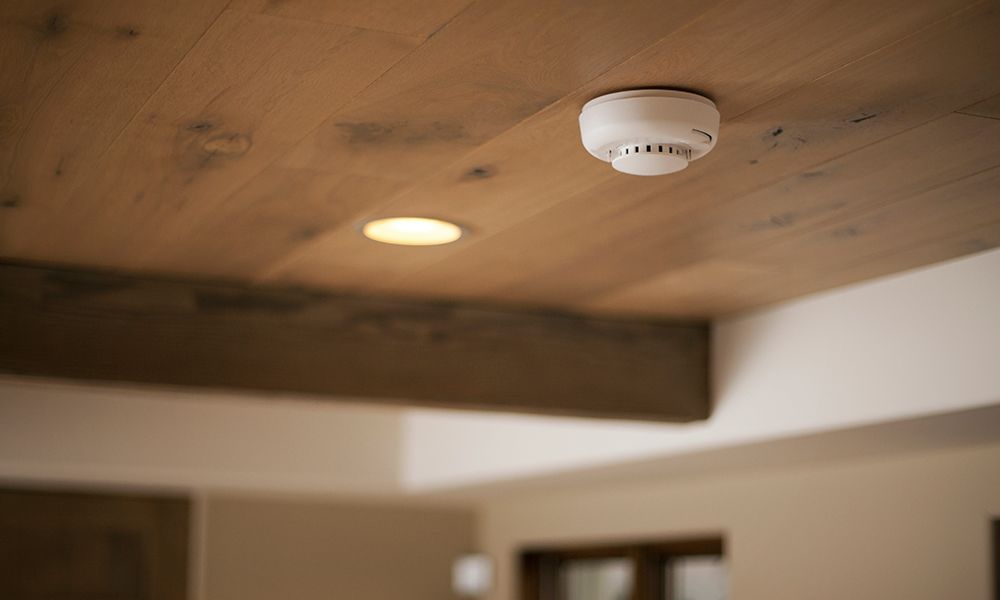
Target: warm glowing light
(412,231)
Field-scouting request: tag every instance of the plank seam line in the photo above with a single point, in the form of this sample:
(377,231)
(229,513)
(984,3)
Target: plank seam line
(326,23)
(972,114)
(163,81)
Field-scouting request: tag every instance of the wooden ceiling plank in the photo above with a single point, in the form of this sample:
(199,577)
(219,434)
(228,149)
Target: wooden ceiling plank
(896,168)
(942,224)
(106,327)
(633,229)
(72,75)
(504,182)
(282,207)
(491,67)
(838,191)
(422,18)
(989,108)
(252,87)
(552,228)
(708,287)
(946,222)
(884,235)
(495,64)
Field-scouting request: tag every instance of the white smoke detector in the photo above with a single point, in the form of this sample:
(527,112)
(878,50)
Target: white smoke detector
(649,132)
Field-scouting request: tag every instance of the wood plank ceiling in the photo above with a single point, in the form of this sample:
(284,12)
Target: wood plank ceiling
(245,139)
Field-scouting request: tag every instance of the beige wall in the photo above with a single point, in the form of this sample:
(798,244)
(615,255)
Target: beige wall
(277,549)
(101,436)
(912,527)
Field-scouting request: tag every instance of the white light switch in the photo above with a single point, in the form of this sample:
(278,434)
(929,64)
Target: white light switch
(472,575)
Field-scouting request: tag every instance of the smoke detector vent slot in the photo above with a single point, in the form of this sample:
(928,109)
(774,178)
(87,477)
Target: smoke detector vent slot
(669,149)
(649,132)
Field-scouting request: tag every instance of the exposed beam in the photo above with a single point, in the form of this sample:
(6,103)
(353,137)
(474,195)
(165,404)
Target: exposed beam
(113,327)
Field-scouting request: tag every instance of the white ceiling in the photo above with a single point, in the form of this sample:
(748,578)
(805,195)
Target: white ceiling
(914,344)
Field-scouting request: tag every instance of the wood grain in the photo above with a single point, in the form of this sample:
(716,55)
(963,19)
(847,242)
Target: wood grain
(836,200)
(495,65)
(283,207)
(90,325)
(213,124)
(247,142)
(537,223)
(422,18)
(72,76)
(620,233)
(457,89)
(944,223)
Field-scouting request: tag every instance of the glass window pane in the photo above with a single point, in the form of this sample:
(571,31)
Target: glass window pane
(697,578)
(597,579)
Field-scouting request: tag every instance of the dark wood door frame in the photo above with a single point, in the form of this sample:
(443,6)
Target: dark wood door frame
(996,559)
(81,546)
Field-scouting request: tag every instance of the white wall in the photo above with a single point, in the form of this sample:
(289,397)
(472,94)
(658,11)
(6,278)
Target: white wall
(917,343)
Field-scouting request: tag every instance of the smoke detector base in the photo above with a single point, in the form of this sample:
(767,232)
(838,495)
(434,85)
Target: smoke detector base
(649,132)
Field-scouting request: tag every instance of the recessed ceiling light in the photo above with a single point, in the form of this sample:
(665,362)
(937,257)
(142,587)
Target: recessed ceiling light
(411,231)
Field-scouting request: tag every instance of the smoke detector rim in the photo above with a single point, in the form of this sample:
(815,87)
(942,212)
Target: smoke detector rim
(649,118)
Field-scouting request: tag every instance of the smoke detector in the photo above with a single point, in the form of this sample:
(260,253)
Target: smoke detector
(649,132)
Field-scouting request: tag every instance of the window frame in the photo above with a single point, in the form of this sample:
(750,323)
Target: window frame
(996,558)
(540,566)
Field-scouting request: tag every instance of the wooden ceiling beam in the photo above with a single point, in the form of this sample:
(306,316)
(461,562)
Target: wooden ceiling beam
(104,326)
